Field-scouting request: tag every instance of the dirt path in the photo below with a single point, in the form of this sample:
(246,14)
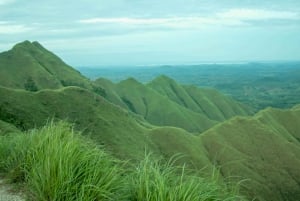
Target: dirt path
(7,192)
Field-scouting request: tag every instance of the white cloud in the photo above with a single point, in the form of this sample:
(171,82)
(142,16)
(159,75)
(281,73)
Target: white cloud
(232,17)
(257,14)
(174,22)
(3,2)
(6,28)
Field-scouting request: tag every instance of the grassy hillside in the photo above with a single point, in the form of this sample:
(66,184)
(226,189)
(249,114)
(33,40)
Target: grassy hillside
(92,114)
(265,149)
(32,67)
(163,102)
(59,165)
(28,65)
(207,101)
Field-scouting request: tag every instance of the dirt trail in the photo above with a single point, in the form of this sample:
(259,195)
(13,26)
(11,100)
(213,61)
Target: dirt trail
(7,192)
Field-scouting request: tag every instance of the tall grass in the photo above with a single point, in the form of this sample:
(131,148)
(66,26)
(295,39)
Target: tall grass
(57,164)
(155,180)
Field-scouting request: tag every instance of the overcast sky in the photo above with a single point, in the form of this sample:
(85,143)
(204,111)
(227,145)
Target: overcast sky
(138,32)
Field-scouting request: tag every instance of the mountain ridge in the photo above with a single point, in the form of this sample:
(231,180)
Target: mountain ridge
(262,151)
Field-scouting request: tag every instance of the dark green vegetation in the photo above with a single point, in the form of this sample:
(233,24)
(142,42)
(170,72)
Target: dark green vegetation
(59,165)
(256,84)
(262,152)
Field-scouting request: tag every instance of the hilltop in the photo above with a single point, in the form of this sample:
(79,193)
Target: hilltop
(28,65)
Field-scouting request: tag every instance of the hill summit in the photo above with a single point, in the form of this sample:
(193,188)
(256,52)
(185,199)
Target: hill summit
(28,65)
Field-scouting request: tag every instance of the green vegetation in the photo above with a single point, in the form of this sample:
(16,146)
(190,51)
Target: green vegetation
(164,102)
(153,180)
(57,164)
(28,65)
(259,84)
(30,85)
(263,150)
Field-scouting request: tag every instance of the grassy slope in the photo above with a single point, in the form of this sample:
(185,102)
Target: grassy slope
(210,102)
(155,108)
(163,102)
(31,60)
(56,163)
(105,122)
(254,148)
(7,128)
(265,149)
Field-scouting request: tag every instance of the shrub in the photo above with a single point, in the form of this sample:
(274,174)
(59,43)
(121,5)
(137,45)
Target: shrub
(30,85)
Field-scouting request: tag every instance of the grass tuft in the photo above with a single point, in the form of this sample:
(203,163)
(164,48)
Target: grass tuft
(56,164)
(154,180)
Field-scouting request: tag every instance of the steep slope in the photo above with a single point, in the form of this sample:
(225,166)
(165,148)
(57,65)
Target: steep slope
(164,102)
(210,102)
(264,149)
(155,108)
(30,66)
(103,121)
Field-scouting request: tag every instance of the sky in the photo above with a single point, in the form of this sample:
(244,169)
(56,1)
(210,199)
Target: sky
(155,32)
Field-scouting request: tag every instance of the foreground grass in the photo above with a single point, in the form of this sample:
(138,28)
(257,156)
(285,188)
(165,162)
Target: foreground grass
(57,164)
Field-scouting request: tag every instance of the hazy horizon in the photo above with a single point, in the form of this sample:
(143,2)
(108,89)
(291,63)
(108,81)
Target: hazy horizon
(144,32)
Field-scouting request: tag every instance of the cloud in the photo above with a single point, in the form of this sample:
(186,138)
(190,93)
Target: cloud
(257,14)
(175,22)
(8,28)
(4,2)
(232,17)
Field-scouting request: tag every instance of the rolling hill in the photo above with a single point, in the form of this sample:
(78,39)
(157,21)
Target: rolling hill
(164,102)
(262,150)
(206,101)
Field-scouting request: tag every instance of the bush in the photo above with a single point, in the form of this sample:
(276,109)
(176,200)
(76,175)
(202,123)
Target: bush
(30,85)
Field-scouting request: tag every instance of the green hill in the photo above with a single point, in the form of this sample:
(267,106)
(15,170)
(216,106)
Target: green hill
(263,150)
(206,101)
(28,65)
(103,121)
(167,103)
